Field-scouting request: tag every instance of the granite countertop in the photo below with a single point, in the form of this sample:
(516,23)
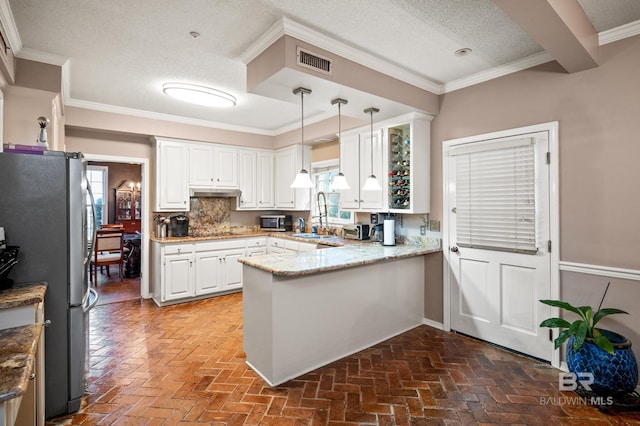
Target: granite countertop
(18,347)
(350,255)
(22,295)
(329,240)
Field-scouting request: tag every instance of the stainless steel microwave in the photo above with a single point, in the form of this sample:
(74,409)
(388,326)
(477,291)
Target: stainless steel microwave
(278,223)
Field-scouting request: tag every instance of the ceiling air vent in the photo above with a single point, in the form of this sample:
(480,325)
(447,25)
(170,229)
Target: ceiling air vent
(314,62)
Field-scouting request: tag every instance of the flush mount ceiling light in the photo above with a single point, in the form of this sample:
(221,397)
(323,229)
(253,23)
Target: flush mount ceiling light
(339,182)
(302,180)
(200,95)
(371,184)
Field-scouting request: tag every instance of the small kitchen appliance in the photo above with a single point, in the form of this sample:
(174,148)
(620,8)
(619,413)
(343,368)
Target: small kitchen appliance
(377,233)
(179,225)
(359,231)
(8,259)
(389,225)
(277,223)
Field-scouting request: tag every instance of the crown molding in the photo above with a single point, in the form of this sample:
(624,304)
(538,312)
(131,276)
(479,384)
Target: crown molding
(624,31)
(40,56)
(165,117)
(307,121)
(9,28)
(502,70)
(287,26)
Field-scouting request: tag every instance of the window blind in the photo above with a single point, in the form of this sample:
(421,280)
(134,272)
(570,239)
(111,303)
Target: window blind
(495,196)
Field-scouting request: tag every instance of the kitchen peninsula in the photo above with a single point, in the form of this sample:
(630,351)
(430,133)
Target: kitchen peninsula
(303,311)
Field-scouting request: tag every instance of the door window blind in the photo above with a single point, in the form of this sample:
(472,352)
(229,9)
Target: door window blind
(495,196)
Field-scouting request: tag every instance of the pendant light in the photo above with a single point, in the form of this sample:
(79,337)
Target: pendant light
(339,182)
(302,180)
(371,184)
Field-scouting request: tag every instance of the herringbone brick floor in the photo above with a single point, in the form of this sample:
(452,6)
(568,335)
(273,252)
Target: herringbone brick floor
(184,364)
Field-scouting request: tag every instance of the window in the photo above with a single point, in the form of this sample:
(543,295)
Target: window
(97,176)
(322,176)
(495,196)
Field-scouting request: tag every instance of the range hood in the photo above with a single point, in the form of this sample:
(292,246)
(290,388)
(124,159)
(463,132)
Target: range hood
(215,192)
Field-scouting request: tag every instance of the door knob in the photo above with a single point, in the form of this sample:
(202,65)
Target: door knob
(454,249)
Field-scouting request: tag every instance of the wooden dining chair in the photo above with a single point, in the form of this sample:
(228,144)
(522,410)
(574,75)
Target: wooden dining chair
(109,250)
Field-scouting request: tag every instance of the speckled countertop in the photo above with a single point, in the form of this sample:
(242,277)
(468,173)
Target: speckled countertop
(350,255)
(18,345)
(17,352)
(22,295)
(325,239)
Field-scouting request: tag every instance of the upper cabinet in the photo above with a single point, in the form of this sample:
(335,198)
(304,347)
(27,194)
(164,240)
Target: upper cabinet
(408,145)
(363,154)
(288,162)
(171,175)
(256,180)
(400,161)
(212,166)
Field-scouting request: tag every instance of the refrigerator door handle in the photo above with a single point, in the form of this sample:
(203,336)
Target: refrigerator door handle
(94,302)
(95,224)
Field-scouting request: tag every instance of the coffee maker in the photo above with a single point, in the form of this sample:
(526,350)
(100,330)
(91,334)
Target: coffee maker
(179,225)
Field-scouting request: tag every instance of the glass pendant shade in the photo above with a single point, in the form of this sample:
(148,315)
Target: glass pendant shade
(340,182)
(372,184)
(302,180)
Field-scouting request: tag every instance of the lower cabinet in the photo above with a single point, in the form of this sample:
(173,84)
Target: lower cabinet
(187,271)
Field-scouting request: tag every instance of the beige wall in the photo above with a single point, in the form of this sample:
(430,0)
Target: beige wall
(598,112)
(22,107)
(325,151)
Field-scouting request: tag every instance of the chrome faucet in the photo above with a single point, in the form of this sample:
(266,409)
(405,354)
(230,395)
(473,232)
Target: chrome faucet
(321,206)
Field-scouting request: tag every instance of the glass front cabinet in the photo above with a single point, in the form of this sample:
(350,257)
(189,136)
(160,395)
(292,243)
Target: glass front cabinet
(128,209)
(408,152)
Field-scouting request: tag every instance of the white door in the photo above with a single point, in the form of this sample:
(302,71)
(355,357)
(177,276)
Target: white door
(498,255)
(371,163)
(248,179)
(285,172)
(226,167)
(265,184)
(178,276)
(350,158)
(208,270)
(233,269)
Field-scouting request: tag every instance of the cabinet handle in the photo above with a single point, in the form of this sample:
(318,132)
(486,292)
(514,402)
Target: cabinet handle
(179,250)
(218,179)
(355,201)
(190,263)
(47,323)
(32,376)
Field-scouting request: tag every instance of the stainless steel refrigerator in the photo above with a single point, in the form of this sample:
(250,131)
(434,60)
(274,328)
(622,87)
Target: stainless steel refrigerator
(43,209)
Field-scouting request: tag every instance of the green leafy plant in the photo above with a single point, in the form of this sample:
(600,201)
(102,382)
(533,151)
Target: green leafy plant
(584,327)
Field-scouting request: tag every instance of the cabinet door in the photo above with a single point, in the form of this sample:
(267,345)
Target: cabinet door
(350,159)
(178,276)
(232,269)
(200,166)
(248,180)
(172,179)
(265,185)
(260,251)
(285,172)
(372,200)
(226,167)
(208,270)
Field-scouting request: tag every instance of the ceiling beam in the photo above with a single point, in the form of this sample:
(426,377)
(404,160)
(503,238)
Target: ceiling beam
(560,26)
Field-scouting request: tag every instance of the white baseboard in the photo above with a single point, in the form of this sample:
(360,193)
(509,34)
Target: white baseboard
(432,323)
(603,271)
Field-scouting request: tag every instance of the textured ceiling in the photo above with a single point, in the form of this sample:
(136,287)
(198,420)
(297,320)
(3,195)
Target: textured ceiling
(121,52)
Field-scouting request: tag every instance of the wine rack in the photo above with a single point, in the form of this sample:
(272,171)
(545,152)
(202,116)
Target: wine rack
(399,167)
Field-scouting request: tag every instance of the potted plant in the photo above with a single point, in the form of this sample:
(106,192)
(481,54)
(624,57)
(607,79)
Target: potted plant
(606,355)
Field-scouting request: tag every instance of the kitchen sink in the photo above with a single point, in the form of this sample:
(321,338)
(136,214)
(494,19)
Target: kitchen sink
(307,235)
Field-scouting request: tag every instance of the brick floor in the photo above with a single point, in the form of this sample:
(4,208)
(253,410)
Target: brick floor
(184,365)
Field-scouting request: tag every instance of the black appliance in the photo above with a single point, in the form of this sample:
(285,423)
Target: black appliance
(179,225)
(8,259)
(43,209)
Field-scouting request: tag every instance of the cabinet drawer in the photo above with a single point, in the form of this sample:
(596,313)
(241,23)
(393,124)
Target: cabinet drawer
(291,245)
(178,248)
(256,242)
(238,243)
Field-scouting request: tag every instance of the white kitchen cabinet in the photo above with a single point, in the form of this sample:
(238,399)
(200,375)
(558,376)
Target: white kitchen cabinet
(276,246)
(288,162)
(408,144)
(256,180)
(179,272)
(27,409)
(355,155)
(256,246)
(283,245)
(212,166)
(183,272)
(171,175)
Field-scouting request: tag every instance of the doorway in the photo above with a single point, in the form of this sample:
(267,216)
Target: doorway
(132,226)
(500,227)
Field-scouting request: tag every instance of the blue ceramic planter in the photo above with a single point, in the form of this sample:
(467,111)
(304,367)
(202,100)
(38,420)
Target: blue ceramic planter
(613,374)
